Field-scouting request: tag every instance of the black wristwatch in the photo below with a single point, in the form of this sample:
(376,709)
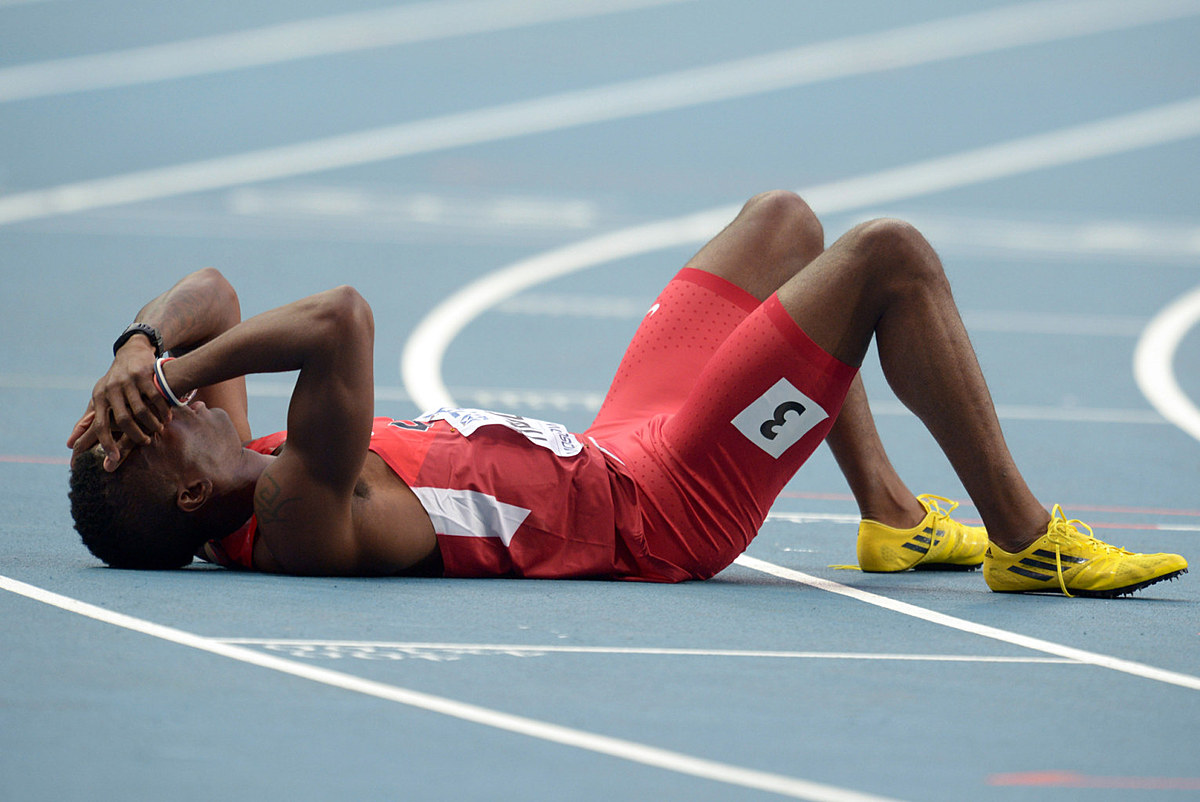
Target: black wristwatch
(145,329)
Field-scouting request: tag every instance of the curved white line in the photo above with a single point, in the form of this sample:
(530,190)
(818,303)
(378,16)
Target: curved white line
(421,361)
(1154,362)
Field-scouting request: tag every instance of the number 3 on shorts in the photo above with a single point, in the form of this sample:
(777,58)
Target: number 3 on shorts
(779,418)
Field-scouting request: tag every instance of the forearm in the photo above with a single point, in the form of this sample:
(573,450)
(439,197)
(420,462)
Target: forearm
(315,332)
(124,402)
(197,309)
(329,338)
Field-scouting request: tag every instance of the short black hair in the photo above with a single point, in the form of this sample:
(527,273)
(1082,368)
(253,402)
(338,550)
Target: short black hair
(127,519)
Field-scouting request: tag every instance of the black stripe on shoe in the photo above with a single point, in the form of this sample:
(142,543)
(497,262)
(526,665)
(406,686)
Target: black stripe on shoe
(1016,569)
(1067,558)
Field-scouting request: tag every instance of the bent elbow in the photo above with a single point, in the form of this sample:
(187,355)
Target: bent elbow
(224,296)
(347,315)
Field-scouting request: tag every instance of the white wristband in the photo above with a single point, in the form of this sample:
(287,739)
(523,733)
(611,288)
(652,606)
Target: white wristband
(160,381)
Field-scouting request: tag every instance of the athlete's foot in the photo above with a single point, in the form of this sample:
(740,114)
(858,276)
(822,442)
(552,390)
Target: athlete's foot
(1018,537)
(937,541)
(899,511)
(1065,560)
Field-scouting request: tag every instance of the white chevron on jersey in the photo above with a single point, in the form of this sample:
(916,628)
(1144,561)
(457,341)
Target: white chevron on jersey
(470,513)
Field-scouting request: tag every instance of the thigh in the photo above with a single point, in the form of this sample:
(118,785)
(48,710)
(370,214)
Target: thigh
(709,472)
(773,238)
(880,279)
(679,335)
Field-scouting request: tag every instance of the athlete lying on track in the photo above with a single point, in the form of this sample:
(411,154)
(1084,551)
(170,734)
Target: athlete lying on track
(745,363)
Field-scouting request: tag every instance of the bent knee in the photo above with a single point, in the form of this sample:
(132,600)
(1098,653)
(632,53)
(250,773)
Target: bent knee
(899,247)
(784,214)
(346,313)
(774,236)
(887,235)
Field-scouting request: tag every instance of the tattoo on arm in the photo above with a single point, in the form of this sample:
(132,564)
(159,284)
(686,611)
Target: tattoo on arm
(270,500)
(185,315)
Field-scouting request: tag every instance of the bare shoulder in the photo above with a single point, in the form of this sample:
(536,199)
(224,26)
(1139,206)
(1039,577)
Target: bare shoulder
(380,530)
(304,524)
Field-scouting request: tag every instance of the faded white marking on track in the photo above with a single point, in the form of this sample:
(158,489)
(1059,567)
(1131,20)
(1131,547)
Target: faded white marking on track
(1163,242)
(550,401)
(1062,414)
(852,520)
(448,652)
(1007,321)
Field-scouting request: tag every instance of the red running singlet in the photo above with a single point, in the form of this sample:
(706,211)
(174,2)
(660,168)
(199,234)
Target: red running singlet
(717,403)
(502,501)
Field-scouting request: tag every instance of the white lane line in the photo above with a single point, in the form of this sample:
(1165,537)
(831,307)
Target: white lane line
(291,41)
(983,32)
(337,649)
(814,517)
(1174,527)
(517,399)
(1166,242)
(1032,412)
(842,518)
(1000,321)
(1063,323)
(567,736)
(1154,362)
(1037,644)
(421,362)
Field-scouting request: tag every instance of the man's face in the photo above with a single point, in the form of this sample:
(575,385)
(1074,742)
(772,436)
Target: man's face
(195,437)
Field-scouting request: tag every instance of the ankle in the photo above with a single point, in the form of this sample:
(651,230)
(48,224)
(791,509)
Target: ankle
(903,512)
(1018,538)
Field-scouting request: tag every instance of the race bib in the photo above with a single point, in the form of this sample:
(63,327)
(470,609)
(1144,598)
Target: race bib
(779,418)
(553,436)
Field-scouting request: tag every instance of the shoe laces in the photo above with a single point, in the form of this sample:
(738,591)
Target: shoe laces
(1063,531)
(949,533)
(931,501)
